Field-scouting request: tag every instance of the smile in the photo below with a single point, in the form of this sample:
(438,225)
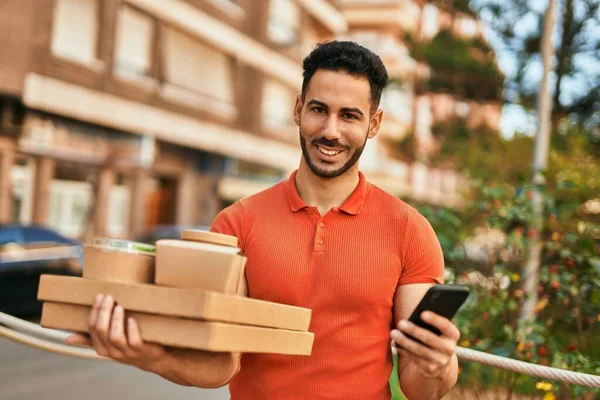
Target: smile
(328,152)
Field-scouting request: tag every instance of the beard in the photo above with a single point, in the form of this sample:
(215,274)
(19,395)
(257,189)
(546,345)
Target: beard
(325,173)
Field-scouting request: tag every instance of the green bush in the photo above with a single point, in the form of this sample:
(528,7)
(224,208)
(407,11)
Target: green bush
(566,330)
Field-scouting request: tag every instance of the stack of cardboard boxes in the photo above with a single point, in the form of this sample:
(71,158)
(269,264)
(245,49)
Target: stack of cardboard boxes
(185,294)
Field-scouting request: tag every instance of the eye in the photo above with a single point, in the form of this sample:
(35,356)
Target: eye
(350,116)
(318,110)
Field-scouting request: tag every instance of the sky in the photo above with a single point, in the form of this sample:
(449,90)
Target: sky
(515,118)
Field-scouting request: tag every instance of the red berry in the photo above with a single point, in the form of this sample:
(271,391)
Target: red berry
(555,285)
(554,269)
(531,233)
(543,351)
(540,289)
(570,262)
(572,347)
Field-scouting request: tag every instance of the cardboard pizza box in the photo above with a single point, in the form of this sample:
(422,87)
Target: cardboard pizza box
(175,302)
(187,333)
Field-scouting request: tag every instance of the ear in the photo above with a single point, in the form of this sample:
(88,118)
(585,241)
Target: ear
(375,124)
(298,109)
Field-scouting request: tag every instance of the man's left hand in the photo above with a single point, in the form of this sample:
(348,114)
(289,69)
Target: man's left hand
(434,356)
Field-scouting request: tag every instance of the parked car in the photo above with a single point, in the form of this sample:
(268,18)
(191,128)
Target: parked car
(26,252)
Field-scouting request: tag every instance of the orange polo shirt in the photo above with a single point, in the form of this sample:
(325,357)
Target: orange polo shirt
(345,266)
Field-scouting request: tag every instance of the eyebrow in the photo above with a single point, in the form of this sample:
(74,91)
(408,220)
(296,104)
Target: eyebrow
(345,109)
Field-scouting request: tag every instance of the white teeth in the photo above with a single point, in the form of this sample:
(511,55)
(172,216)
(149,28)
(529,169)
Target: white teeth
(329,152)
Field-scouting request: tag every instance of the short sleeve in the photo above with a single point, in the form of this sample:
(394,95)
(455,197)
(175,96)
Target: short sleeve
(230,221)
(423,259)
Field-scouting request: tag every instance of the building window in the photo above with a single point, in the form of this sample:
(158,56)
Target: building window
(75,30)
(118,211)
(284,22)
(467,27)
(231,7)
(397,101)
(133,43)
(197,74)
(277,106)
(430,22)
(310,39)
(69,205)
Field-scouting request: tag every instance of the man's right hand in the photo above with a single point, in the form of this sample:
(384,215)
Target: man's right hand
(110,337)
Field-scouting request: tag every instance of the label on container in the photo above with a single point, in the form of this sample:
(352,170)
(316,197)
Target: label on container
(127,246)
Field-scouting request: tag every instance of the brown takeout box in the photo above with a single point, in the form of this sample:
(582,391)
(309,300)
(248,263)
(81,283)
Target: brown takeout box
(193,334)
(206,266)
(175,302)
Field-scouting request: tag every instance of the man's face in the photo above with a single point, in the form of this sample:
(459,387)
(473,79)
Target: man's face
(335,122)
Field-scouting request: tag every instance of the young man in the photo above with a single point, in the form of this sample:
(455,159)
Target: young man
(328,240)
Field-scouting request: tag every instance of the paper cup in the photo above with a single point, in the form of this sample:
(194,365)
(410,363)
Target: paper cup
(119,261)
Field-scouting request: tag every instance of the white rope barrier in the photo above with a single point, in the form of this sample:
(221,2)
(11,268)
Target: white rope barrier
(46,340)
(50,340)
(530,369)
(40,344)
(32,329)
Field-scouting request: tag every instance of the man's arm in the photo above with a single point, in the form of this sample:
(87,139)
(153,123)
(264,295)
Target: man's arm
(424,373)
(199,368)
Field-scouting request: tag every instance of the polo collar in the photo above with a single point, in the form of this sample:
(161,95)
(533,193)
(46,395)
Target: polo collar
(351,206)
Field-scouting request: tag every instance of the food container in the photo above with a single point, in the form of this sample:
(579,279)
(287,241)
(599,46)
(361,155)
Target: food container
(119,261)
(201,260)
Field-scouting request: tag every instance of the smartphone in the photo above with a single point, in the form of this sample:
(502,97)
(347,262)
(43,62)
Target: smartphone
(444,300)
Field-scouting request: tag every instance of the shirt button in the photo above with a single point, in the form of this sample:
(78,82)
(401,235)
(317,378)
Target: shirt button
(322,225)
(320,241)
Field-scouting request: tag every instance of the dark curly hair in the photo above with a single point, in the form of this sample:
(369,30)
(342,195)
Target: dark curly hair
(351,58)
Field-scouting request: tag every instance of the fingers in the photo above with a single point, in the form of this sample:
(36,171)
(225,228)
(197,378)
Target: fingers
(440,343)
(103,323)
(106,328)
(98,344)
(446,327)
(430,352)
(117,336)
(418,349)
(78,339)
(428,368)
(133,335)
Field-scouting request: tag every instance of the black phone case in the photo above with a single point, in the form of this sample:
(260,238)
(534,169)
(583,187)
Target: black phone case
(444,300)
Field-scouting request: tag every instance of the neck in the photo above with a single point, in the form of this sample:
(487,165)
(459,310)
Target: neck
(325,193)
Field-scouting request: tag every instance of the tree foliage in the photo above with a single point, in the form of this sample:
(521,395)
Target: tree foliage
(517,25)
(484,247)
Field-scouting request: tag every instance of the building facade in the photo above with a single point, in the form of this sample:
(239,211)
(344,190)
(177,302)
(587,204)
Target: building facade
(120,115)
(443,72)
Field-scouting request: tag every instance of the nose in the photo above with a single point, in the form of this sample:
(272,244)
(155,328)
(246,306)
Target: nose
(331,129)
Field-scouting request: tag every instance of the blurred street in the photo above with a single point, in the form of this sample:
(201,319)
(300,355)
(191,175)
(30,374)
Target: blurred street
(29,374)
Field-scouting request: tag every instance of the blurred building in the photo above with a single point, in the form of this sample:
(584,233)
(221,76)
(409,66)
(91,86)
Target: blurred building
(120,115)
(442,72)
